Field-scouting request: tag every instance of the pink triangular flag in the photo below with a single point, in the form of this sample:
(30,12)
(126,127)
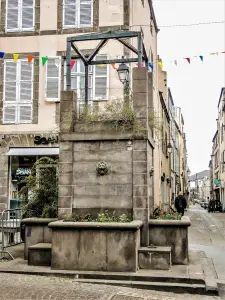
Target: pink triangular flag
(188,59)
(72,63)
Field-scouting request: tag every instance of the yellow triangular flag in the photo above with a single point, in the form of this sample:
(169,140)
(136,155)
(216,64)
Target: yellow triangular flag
(160,64)
(15,57)
(101,65)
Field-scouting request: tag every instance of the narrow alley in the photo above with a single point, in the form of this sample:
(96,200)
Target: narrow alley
(207,234)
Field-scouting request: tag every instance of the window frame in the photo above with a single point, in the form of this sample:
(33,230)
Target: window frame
(20,18)
(18,102)
(47,99)
(79,74)
(100,76)
(77,24)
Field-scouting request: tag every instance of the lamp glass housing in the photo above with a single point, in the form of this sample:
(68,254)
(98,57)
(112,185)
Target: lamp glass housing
(123,73)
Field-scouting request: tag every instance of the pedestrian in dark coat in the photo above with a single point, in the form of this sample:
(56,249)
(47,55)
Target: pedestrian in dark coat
(180,203)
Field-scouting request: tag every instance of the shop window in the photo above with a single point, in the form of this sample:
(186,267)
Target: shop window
(20,168)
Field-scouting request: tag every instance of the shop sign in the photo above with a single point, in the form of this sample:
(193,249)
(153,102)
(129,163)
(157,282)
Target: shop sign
(217,181)
(43,140)
(23,172)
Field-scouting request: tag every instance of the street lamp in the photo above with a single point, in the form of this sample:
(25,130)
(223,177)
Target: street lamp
(169,148)
(123,73)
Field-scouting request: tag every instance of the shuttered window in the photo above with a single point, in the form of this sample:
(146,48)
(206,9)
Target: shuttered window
(77,13)
(98,80)
(53,79)
(19,15)
(18,92)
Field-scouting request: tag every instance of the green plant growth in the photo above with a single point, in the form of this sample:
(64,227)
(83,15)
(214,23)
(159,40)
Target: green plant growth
(120,115)
(40,192)
(169,214)
(102,218)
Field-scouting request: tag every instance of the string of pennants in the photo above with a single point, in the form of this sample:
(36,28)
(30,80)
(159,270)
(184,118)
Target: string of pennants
(188,59)
(44,60)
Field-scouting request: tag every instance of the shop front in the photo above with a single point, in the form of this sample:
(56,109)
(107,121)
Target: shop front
(18,155)
(21,161)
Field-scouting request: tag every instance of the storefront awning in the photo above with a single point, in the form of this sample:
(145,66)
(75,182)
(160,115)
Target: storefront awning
(32,151)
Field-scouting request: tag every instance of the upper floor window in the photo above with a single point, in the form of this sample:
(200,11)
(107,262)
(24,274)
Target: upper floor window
(98,80)
(53,79)
(19,15)
(18,92)
(77,13)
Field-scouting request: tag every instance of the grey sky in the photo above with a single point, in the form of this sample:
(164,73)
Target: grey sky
(196,87)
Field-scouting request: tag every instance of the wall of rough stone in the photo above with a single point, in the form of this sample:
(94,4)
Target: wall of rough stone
(113,191)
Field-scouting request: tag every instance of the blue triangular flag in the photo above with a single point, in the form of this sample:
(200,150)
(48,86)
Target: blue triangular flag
(201,57)
(2,54)
(151,66)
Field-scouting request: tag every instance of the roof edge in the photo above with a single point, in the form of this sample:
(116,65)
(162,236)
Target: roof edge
(153,15)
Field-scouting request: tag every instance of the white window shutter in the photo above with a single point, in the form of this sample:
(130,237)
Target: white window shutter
(101,80)
(12,15)
(26,82)
(69,13)
(18,92)
(9,114)
(27,15)
(85,13)
(10,82)
(25,113)
(53,79)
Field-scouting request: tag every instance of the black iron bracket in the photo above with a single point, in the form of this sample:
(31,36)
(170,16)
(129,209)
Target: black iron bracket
(104,37)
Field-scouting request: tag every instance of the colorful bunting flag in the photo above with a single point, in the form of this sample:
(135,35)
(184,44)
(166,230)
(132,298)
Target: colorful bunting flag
(188,59)
(175,61)
(101,65)
(44,60)
(30,58)
(114,66)
(151,66)
(140,65)
(214,53)
(160,64)
(72,63)
(201,57)
(2,54)
(15,57)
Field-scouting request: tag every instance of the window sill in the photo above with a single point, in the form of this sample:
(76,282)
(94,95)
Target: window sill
(77,27)
(19,31)
(52,100)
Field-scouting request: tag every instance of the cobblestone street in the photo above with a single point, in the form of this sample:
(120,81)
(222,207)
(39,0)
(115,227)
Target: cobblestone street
(25,287)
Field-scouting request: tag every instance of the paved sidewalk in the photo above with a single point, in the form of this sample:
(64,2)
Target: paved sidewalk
(15,286)
(194,270)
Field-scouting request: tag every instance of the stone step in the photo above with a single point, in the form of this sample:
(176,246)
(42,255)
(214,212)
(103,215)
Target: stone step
(154,258)
(159,286)
(40,254)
